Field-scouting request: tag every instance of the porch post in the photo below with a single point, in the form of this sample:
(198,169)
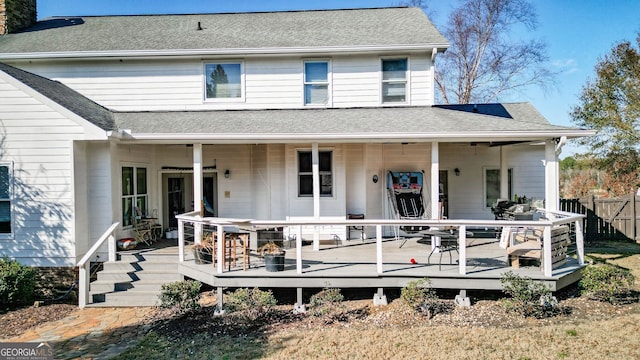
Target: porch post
(462,246)
(579,241)
(299,252)
(435,190)
(197,177)
(180,240)
(220,250)
(547,261)
(379,248)
(315,168)
(435,181)
(551,182)
(504,173)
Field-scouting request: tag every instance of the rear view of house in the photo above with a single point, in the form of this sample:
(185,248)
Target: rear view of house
(274,118)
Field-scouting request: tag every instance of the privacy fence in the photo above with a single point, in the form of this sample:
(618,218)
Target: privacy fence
(607,219)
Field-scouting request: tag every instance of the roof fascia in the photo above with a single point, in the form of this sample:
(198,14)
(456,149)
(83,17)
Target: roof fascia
(224,52)
(362,137)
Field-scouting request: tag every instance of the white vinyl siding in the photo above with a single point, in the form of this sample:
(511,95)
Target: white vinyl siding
(269,83)
(38,140)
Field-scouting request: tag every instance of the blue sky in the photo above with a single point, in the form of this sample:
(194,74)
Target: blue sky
(577,32)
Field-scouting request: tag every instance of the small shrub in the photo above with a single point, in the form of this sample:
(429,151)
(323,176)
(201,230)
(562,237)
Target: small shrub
(417,292)
(326,301)
(17,283)
(606,282)
(419,296)
(182,295)
(254,303)
(528,297)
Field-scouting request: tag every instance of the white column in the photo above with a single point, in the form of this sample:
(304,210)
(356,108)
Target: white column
(435,181)
(504,172)
(579,241)
(197,177)
(547,261)
(551,179)
(315,168)
(299,251)
(462,246)
(379,248)
(435,190)
(220,250)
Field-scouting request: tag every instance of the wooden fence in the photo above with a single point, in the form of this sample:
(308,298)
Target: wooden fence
(607,219)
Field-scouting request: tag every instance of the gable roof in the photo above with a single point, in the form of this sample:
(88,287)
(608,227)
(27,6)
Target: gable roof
(263,32)
(523,123)
(64,96)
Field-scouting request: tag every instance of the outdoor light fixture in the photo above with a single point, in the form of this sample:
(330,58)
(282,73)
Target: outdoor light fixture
(375,179)
(227,174)
(457,171)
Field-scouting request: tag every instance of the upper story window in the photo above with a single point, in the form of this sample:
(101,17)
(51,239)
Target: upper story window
(305,173)
(6,199)
(223,80)
(316,82)
(134,193)
(394,80)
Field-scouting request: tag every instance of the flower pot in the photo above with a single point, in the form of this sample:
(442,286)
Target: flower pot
(202,256)
(274,262)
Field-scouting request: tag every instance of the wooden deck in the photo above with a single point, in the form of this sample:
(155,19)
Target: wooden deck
(352,264)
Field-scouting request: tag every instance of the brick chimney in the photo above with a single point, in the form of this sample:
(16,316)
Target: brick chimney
(16,15)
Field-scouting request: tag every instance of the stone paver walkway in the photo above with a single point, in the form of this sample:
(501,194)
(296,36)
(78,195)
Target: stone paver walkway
(92,333)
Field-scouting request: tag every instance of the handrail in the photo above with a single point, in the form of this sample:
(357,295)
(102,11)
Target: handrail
(83,264)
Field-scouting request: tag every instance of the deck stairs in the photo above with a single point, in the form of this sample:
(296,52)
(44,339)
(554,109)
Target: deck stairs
(135,279)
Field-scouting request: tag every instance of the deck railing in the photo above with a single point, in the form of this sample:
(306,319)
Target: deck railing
(549,220)
(84,263)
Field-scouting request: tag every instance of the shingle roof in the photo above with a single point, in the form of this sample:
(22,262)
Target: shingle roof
(293,29)
(65,96)
(371,123)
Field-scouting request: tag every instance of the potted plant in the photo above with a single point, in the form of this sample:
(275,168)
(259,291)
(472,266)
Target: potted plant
(203,252)
(273,256)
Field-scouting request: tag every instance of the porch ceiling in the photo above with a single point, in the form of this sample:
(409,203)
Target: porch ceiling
(515,122)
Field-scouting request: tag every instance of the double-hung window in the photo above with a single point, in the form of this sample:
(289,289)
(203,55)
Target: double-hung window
(394,80)
(223,80)
(6,198)
(134,193)
(316,82)
(305,173)
(492,185)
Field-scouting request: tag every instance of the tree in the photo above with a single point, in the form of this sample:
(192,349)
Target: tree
(484,60)
(610,104)
(218,76)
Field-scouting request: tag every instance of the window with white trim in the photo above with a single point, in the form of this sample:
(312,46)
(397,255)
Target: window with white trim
(134,193)
(6,199)
(305,173)
(492,185)
(316,82)
(223,80)
(394,80)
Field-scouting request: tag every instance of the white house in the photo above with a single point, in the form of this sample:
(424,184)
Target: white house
(105,115)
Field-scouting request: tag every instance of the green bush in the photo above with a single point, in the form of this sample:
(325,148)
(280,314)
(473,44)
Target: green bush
(606,282)
(420,296)
(328,300)
(253,303)
(528,297)
(417,293)
(182,295)
(17,283)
